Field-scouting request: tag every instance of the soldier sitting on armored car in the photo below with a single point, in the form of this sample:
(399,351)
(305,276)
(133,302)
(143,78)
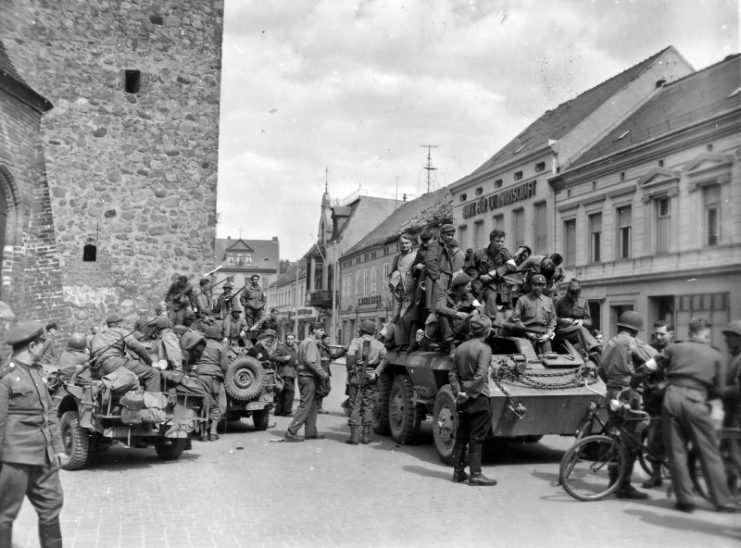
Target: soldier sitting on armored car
(453,309)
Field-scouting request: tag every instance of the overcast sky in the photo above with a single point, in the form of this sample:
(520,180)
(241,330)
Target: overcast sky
(358,87)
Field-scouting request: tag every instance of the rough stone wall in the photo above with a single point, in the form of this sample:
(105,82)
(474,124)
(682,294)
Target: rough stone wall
(132,173)
(31,287)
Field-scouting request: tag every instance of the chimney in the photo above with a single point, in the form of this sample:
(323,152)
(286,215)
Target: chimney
(275,238)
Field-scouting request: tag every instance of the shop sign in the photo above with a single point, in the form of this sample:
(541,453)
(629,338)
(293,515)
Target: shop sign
(504,197)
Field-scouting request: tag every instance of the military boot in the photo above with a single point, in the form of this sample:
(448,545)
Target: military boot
(477,479)
(366,434)
(655,479)
(626,490)
(614,472)
(353,439)
(459,464)
(50,535)
(6,536)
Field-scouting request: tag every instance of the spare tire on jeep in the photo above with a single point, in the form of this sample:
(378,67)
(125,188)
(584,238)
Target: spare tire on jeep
(243,379)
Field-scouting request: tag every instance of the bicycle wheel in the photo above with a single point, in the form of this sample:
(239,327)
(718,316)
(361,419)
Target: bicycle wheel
(585,468)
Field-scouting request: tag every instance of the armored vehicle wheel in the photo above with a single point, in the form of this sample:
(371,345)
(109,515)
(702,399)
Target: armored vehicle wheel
(170,449)
(261,419)
(243,379)
(381,407)
(444,424)
(585,468)
(404,418)
(76,441)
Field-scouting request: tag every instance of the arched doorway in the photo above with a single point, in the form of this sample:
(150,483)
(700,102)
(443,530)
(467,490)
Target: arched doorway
(3,219)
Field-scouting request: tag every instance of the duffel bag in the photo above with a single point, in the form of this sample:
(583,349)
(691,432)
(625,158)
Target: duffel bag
(134,400)
(152,415)
(120,380)
(131,416)
(155,400)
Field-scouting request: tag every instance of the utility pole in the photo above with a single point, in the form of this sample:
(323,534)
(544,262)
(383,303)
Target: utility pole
(428,166)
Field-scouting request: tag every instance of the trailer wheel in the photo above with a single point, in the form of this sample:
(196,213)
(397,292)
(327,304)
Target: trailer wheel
(170,449)
(261,419)
(444,424)
(404,417)
(76,441)
(243,379)
(381,407)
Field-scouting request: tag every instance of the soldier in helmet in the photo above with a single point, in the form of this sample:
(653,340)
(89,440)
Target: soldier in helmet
(225,302)
(75,356)
(622,355)
(31,449)
(253,301)
(365,361)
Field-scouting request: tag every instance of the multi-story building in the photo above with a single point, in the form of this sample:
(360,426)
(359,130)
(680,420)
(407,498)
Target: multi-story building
(240,259)
(288,295)
(511,192)
(366,266)
(650,216)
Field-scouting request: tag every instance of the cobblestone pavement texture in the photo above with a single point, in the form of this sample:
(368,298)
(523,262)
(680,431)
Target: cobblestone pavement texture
(243,490)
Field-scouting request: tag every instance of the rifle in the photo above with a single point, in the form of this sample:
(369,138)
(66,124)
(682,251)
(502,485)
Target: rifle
(355,415)
(98,353)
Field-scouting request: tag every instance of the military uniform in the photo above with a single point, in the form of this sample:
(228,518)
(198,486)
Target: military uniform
(234,329)
(449,324)
(209,368)
(570,308)
(489,265)
(29,443)
(404,289)
(253,303)
(441,262)
(367,354)
(167,347)
(287,371)
(224,303)
(535,314)
(179,301)
(70,360)
(533,265)
(109,349)
(309,371)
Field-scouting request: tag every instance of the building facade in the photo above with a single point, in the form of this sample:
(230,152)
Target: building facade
(31,280)
(366,266)
(511,192)
(650,216)
(288,295)
(240,259)
(131,145)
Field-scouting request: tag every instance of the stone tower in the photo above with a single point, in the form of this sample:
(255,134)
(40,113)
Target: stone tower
(131,144)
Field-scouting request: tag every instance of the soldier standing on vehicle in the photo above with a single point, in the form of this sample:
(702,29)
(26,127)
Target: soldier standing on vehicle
(732,404)
(489,266)
(365,361)
(453,309)
(204,302)
(286,356)
(109,351)
(442,260)
(75,357)
(253,301)
(234,329)
(574,320)
(654,387)
(225,302)
(208,362)
(403,286)
(620,358)
(167,345)
(535,315)
(179,300)
(695,373)
(469,382)
(310,372)
(31,449)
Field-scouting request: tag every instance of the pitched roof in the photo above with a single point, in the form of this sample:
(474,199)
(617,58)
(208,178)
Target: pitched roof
(7,67)
(683,102)
(11,80)
(556,123)
(265,252)
(289,276)
(434,207)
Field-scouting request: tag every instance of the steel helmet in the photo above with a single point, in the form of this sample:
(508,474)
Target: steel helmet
(733,328)
(631,320)
(367,326)
(191,339)
(77,341)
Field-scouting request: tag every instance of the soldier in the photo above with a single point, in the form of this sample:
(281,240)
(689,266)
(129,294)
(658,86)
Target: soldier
(574,320)
(31,449)
(694,370)
(286,356)
(403,286)
(620,358)
(654,386)
(145,326)
(441,262)
(489,266)
(265,346)
(365,362)
(208,362)
(535,315)
(203,301)
(732,403)
(268,322)
(470,386)
(253,301)
(50,355)
(453,309)
(167,345)
(179,300)
(234,329)
(309,373)
(329,354)
(547,265)
(225,302)
(75,357)
(109,351)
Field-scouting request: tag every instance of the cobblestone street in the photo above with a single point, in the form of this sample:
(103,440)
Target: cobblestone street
(245,490)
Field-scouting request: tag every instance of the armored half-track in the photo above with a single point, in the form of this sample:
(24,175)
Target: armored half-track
(531,395)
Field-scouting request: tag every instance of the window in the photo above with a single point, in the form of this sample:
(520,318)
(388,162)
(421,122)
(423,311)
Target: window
(89,253)
(498,183)
(132,81)
(463,197)
(386,270)
(366,281)
(374,276)
(463,237)
(622,176)
(624,221)
(499,221)
(711,201)
(569,238)
(478,235)
(540,166)
(595,238)
(518,227)
(540,227)
(358,283)
(518,175)
(479,191)
(663,225)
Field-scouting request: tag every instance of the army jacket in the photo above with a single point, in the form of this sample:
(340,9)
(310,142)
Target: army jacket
(253,297)
(472,359)
(224,305)
(578,309)
(28,425)
(69,361)
(286,368)
(309,359)
(377,357)
(488,259)
(449,304)
(113,342)
(167,347)
(622,354)
(535,312)
(213,361)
